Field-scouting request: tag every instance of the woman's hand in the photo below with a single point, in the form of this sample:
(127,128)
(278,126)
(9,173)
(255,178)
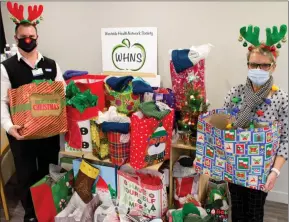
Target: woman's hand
(271,180)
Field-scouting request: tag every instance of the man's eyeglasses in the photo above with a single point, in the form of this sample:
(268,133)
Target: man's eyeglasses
(264,66)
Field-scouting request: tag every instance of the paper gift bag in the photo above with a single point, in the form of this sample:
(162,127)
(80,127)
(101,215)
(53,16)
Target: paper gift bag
(119,151)
(100,146)
(242,156)
(85,137)
(95,83)
(105,181)
(126,102)
(150,140)
(150,199)
(79,113)
(218,188)
(48,200)
(164,95)
(40,108)
(179,80)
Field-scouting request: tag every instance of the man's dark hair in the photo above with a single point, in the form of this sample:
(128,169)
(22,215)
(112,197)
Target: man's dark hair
(25,25)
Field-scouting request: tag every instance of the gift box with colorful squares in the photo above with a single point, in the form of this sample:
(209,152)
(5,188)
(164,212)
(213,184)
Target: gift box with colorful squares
(240,156)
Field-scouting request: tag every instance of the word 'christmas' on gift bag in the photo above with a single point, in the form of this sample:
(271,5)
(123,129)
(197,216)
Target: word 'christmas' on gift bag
(49,197)
(179,80)
(241,156)
(39,107)
(82,106)
(150,140)
(143,190)
(126,102)
(164,95)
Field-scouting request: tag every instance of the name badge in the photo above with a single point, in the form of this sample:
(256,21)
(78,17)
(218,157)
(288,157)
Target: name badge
(37,72)
(48,70)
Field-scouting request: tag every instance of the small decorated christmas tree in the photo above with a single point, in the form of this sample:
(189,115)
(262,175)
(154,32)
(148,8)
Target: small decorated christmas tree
(193,105)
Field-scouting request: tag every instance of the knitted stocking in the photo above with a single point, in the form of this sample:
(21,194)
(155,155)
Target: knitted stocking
(85,179)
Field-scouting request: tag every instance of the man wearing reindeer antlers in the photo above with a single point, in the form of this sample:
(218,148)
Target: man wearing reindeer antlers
(31,157)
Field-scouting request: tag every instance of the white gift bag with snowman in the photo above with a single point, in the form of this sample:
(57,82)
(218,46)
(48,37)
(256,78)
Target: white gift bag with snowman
(150,140)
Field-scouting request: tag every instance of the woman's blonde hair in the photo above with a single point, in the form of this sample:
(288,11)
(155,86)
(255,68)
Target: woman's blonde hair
(271,52)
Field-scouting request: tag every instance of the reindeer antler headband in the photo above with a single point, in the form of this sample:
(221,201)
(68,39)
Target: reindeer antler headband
(17,13)
(273,37)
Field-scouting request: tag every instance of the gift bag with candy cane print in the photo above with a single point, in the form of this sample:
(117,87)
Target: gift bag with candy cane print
(150,140)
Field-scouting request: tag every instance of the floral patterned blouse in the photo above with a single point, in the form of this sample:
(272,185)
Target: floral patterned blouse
(277,110)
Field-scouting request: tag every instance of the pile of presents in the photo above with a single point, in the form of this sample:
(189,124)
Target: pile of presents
(125,120)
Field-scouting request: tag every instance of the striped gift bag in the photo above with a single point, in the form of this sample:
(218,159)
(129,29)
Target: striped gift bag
(39,108)
(119,152)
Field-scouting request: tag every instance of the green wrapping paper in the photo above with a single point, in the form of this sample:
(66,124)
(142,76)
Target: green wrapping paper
(79,100)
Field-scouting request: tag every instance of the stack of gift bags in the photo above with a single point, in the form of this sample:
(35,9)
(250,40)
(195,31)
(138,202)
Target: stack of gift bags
(122,119)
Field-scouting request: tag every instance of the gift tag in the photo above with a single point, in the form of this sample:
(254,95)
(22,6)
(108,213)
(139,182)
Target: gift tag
(37,72)
(159,97)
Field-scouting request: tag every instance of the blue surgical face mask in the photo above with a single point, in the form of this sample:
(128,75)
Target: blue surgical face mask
(258,76)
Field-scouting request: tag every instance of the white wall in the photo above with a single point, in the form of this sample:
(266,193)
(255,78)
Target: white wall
(70,34)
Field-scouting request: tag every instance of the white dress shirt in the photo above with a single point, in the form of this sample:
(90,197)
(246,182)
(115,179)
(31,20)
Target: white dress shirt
(6,121)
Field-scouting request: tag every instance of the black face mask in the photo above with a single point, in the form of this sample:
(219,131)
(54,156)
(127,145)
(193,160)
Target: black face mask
(27,44)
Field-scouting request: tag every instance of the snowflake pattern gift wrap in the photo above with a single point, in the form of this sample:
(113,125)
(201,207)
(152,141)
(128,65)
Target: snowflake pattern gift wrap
(150,140)
(40,108)
(241,156)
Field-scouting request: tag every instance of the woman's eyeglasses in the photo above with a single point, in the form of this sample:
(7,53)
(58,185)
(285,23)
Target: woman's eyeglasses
(264,66)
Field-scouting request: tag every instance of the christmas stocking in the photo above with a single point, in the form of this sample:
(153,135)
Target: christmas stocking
(86,176)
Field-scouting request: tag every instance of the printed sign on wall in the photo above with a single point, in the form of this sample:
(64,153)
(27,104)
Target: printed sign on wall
(129,50)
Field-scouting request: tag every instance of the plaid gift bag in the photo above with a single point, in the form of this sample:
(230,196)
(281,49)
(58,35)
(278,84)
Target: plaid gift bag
(180,79)
(164,95)
(40,108)
(118,151)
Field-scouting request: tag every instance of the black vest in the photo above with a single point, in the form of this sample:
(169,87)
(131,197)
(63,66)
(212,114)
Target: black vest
(20,73)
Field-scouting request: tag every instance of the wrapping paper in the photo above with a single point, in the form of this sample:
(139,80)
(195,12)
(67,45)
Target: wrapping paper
(39,108)
(242,156)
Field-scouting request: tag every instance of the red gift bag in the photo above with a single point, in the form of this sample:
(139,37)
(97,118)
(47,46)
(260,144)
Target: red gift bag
(150,140)
(95,84)
(118,151)
(180,79)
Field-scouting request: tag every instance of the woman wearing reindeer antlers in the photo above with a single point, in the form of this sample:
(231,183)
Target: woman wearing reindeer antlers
(259,99)
(31,157)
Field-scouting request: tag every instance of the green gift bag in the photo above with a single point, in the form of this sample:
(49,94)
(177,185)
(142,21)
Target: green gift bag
(126,102)
(49,198)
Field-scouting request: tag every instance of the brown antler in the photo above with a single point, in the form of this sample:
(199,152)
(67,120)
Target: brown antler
(35,12)
(16,11)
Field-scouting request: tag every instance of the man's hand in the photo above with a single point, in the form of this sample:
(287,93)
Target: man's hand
(271,180)
(13,131)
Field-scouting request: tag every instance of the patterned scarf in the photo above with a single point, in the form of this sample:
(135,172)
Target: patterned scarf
(251,101)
